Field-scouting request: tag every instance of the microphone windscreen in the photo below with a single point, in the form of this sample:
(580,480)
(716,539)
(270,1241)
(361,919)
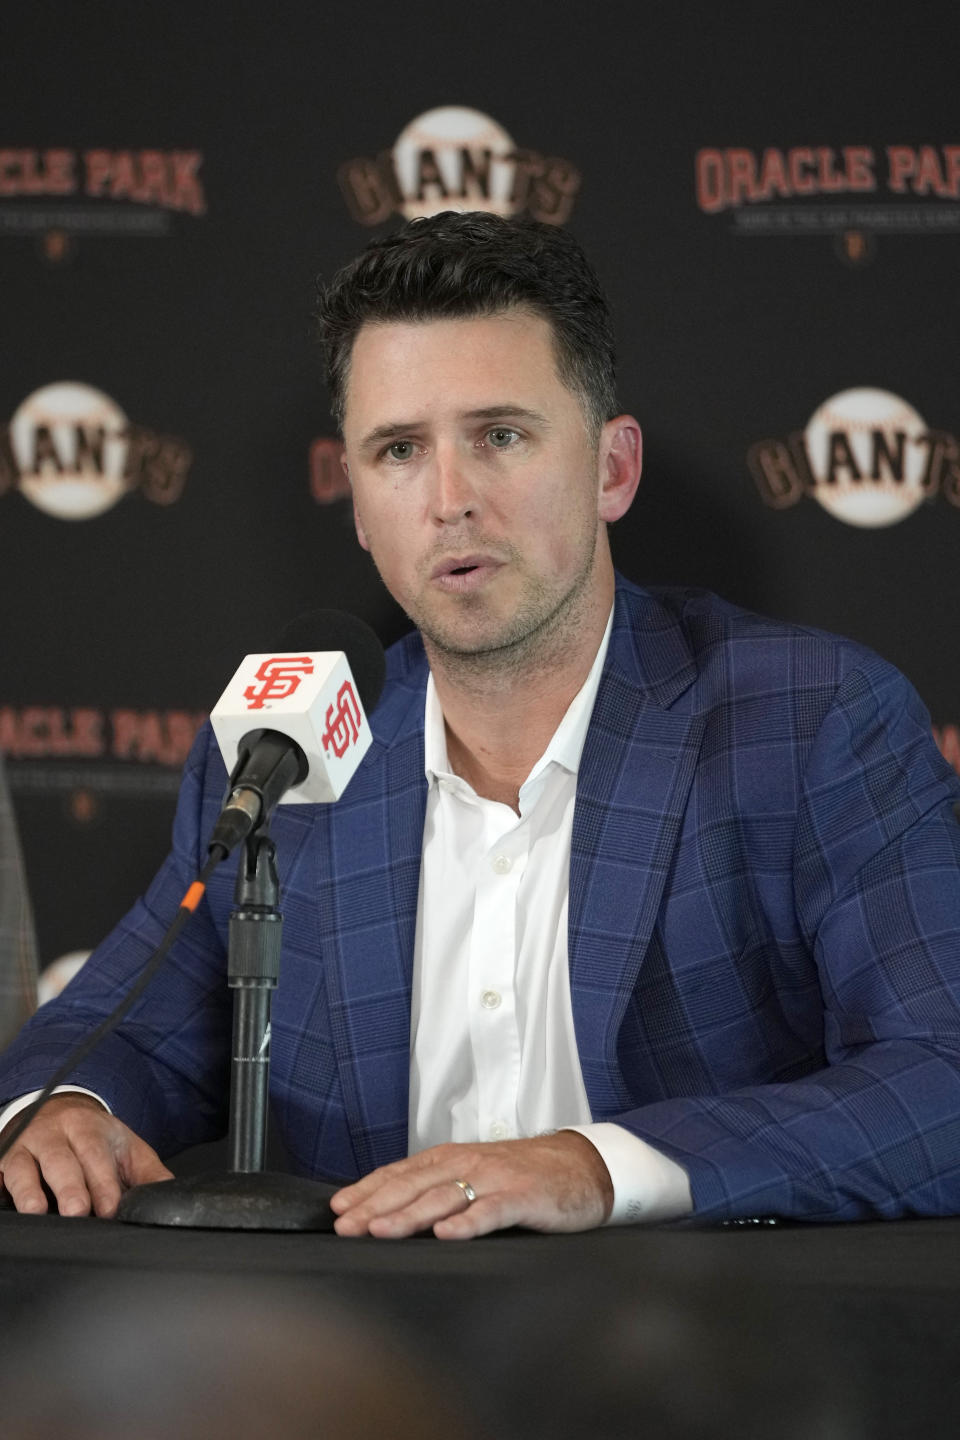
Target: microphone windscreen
(338,630)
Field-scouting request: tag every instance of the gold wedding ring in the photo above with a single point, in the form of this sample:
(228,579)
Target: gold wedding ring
(467,1189)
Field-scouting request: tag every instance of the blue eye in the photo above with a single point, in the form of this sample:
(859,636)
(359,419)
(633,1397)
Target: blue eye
(501,437)
(401,450)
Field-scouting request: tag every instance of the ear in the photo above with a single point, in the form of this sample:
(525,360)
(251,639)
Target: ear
(620,457)
(361,534)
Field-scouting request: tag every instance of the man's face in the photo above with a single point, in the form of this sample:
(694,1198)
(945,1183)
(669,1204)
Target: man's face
(476,486)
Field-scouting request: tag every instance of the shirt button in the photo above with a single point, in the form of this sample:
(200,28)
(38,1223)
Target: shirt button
(490,999)
(502,864)
(499,1130)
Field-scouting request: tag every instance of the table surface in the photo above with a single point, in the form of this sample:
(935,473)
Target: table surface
(907,1255)
(866,1312)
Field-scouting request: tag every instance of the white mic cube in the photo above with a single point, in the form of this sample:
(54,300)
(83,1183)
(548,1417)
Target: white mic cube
(310,697)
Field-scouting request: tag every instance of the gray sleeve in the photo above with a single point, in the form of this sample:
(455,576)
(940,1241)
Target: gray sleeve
(18,950)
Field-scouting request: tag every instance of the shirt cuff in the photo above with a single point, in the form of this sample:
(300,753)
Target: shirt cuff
(21,1103)
(647,1186)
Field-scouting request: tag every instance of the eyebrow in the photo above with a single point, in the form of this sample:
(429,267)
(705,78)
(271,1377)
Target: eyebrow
(393,428)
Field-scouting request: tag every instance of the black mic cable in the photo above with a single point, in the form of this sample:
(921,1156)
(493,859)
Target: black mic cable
(278,763)
(80,1052)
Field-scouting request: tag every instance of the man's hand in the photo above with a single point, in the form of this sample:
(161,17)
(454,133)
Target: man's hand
(85,1155)
(552,1182)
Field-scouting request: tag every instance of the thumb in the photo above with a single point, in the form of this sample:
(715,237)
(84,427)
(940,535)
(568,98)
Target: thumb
(139,1164)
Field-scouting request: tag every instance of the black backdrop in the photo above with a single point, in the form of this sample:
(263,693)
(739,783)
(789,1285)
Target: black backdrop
(172,179)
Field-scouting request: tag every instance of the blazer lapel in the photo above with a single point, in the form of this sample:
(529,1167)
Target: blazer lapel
(635,775)
(369,937)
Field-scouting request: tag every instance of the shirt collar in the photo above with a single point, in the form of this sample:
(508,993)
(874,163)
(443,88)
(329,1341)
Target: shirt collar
(566,744)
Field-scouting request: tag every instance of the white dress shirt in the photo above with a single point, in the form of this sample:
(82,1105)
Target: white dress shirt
(493,1054)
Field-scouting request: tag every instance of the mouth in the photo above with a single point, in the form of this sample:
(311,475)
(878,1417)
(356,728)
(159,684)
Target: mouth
(464,572)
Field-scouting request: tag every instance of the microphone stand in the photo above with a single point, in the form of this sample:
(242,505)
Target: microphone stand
(246,1197)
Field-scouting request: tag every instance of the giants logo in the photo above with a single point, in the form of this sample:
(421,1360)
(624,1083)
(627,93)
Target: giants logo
(343,722)
(455,158)
(865,455)
(279,678)
(73,453)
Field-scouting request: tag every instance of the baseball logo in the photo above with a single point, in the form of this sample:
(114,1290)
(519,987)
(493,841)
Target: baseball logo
(454,158)
(70,443)
(868,457)
(457,158)
(279,678)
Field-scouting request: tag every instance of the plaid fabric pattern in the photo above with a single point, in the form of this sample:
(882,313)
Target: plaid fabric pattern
(764,923)
(18,951)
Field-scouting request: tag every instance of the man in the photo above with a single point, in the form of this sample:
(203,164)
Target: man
(638,905)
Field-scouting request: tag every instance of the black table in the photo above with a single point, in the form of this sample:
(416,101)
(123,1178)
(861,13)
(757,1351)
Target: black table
(828,1331)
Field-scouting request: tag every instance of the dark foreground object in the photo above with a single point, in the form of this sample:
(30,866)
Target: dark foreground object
(786,1333)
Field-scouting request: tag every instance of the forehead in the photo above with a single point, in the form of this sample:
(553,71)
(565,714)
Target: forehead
(450,360)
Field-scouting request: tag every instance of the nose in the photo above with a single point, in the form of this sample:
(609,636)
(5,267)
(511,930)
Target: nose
(454,497)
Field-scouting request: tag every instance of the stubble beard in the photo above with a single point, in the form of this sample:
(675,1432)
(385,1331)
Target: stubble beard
(537,637)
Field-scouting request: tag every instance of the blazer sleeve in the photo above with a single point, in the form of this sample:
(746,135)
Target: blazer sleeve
(164,1071)
(876,882)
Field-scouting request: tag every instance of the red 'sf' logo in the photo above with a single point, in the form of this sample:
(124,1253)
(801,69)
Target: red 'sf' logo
(343,721)
(279,677)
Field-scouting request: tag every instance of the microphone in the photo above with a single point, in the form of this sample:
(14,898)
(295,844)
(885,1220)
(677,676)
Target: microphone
(292,724)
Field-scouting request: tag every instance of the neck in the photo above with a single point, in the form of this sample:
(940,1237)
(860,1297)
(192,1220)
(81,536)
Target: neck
(501,711)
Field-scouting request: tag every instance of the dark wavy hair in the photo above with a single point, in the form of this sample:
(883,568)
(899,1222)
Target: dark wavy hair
(455,265)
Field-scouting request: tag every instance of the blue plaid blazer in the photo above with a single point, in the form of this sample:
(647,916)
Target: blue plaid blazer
(764,931)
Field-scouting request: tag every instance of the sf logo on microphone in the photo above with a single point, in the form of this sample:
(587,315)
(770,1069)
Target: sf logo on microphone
(279,678)
(343,723)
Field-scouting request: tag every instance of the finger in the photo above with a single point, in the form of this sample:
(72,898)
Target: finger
(502,1206)
(114,1159)
(140,1164)
(416,1173)
(351,1195)
(413,1171)
(481,1218)
(403,1208)
(444,1199)
(389,1198)
(57,1165)
(21,1180)
(98,1149)
(459,1221)
(87,1171)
